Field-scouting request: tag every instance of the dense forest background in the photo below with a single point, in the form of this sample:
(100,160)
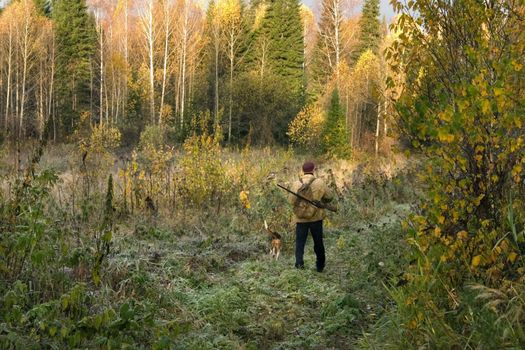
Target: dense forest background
(250,68)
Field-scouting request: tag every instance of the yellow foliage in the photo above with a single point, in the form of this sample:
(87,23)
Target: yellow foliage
(203,173)
(245,201)
(412,324)
(476,261)
(445,137)
(463,235)
(517,66)
(96,143)
(305,129)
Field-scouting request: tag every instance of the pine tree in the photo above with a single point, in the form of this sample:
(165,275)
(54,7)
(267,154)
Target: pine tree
(370,35)
(44,7)
(334,135)
(76,42)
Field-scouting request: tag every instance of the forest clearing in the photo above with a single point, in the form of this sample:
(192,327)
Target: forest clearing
(262,174)
(200,277)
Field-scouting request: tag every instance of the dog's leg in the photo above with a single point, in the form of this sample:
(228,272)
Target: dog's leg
(277,255)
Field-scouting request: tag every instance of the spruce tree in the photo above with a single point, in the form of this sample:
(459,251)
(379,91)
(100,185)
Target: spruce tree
(287,35)
(370,29)
(334,138)
(44,7)
(283,28)
(279,42)
(76,43)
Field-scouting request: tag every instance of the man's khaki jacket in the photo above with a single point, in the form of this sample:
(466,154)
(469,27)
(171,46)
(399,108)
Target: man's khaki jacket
(320,192)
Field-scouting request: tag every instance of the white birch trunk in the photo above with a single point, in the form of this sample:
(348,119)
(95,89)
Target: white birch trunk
(149,35)
(25,58)
(101,97)
(183,75)
(167,35)
(9,75)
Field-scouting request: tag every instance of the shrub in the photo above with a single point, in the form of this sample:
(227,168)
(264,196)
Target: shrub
(305,130)
(95,148)
(465,119)
(202,173)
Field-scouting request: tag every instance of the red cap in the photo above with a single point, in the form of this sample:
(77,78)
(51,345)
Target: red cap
(308,168)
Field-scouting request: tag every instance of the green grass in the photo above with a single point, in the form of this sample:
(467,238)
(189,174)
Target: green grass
(194,278)
(235,296)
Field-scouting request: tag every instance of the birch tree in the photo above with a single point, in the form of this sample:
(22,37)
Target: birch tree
(150,35)
(167,32)
(332,42)
(233,31)
(188,44)
(27,36)
(215,32)
(366,78)
(45,78)
(8,50)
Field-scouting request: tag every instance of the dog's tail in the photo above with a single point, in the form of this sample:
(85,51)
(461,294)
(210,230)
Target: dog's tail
(273,234)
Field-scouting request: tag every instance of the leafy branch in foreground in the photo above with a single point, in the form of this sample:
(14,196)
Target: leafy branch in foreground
(462,108)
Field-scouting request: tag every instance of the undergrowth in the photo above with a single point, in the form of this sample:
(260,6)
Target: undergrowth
(81,269)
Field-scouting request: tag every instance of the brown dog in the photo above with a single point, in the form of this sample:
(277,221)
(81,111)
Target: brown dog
(276,242)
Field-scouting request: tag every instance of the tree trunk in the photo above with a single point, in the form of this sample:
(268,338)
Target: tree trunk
(184,59)
(9,72)
(101,97)
(385,111)
(150,43)
(232,57)
(216,78)
(378,123)
(337,39)
(167,34)
(40,100)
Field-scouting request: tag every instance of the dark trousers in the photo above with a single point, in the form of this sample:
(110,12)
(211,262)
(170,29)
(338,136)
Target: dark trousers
(301,234)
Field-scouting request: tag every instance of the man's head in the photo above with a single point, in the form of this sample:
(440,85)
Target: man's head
(308,167)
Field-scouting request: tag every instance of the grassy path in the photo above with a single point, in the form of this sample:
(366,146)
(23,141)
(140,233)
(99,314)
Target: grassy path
(226,292)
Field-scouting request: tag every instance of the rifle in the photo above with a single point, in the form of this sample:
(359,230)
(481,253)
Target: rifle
(316,204)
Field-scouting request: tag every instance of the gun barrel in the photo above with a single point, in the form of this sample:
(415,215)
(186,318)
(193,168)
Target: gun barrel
(314,203)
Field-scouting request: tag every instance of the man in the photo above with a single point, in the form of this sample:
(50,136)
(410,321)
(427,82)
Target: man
(307,216)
